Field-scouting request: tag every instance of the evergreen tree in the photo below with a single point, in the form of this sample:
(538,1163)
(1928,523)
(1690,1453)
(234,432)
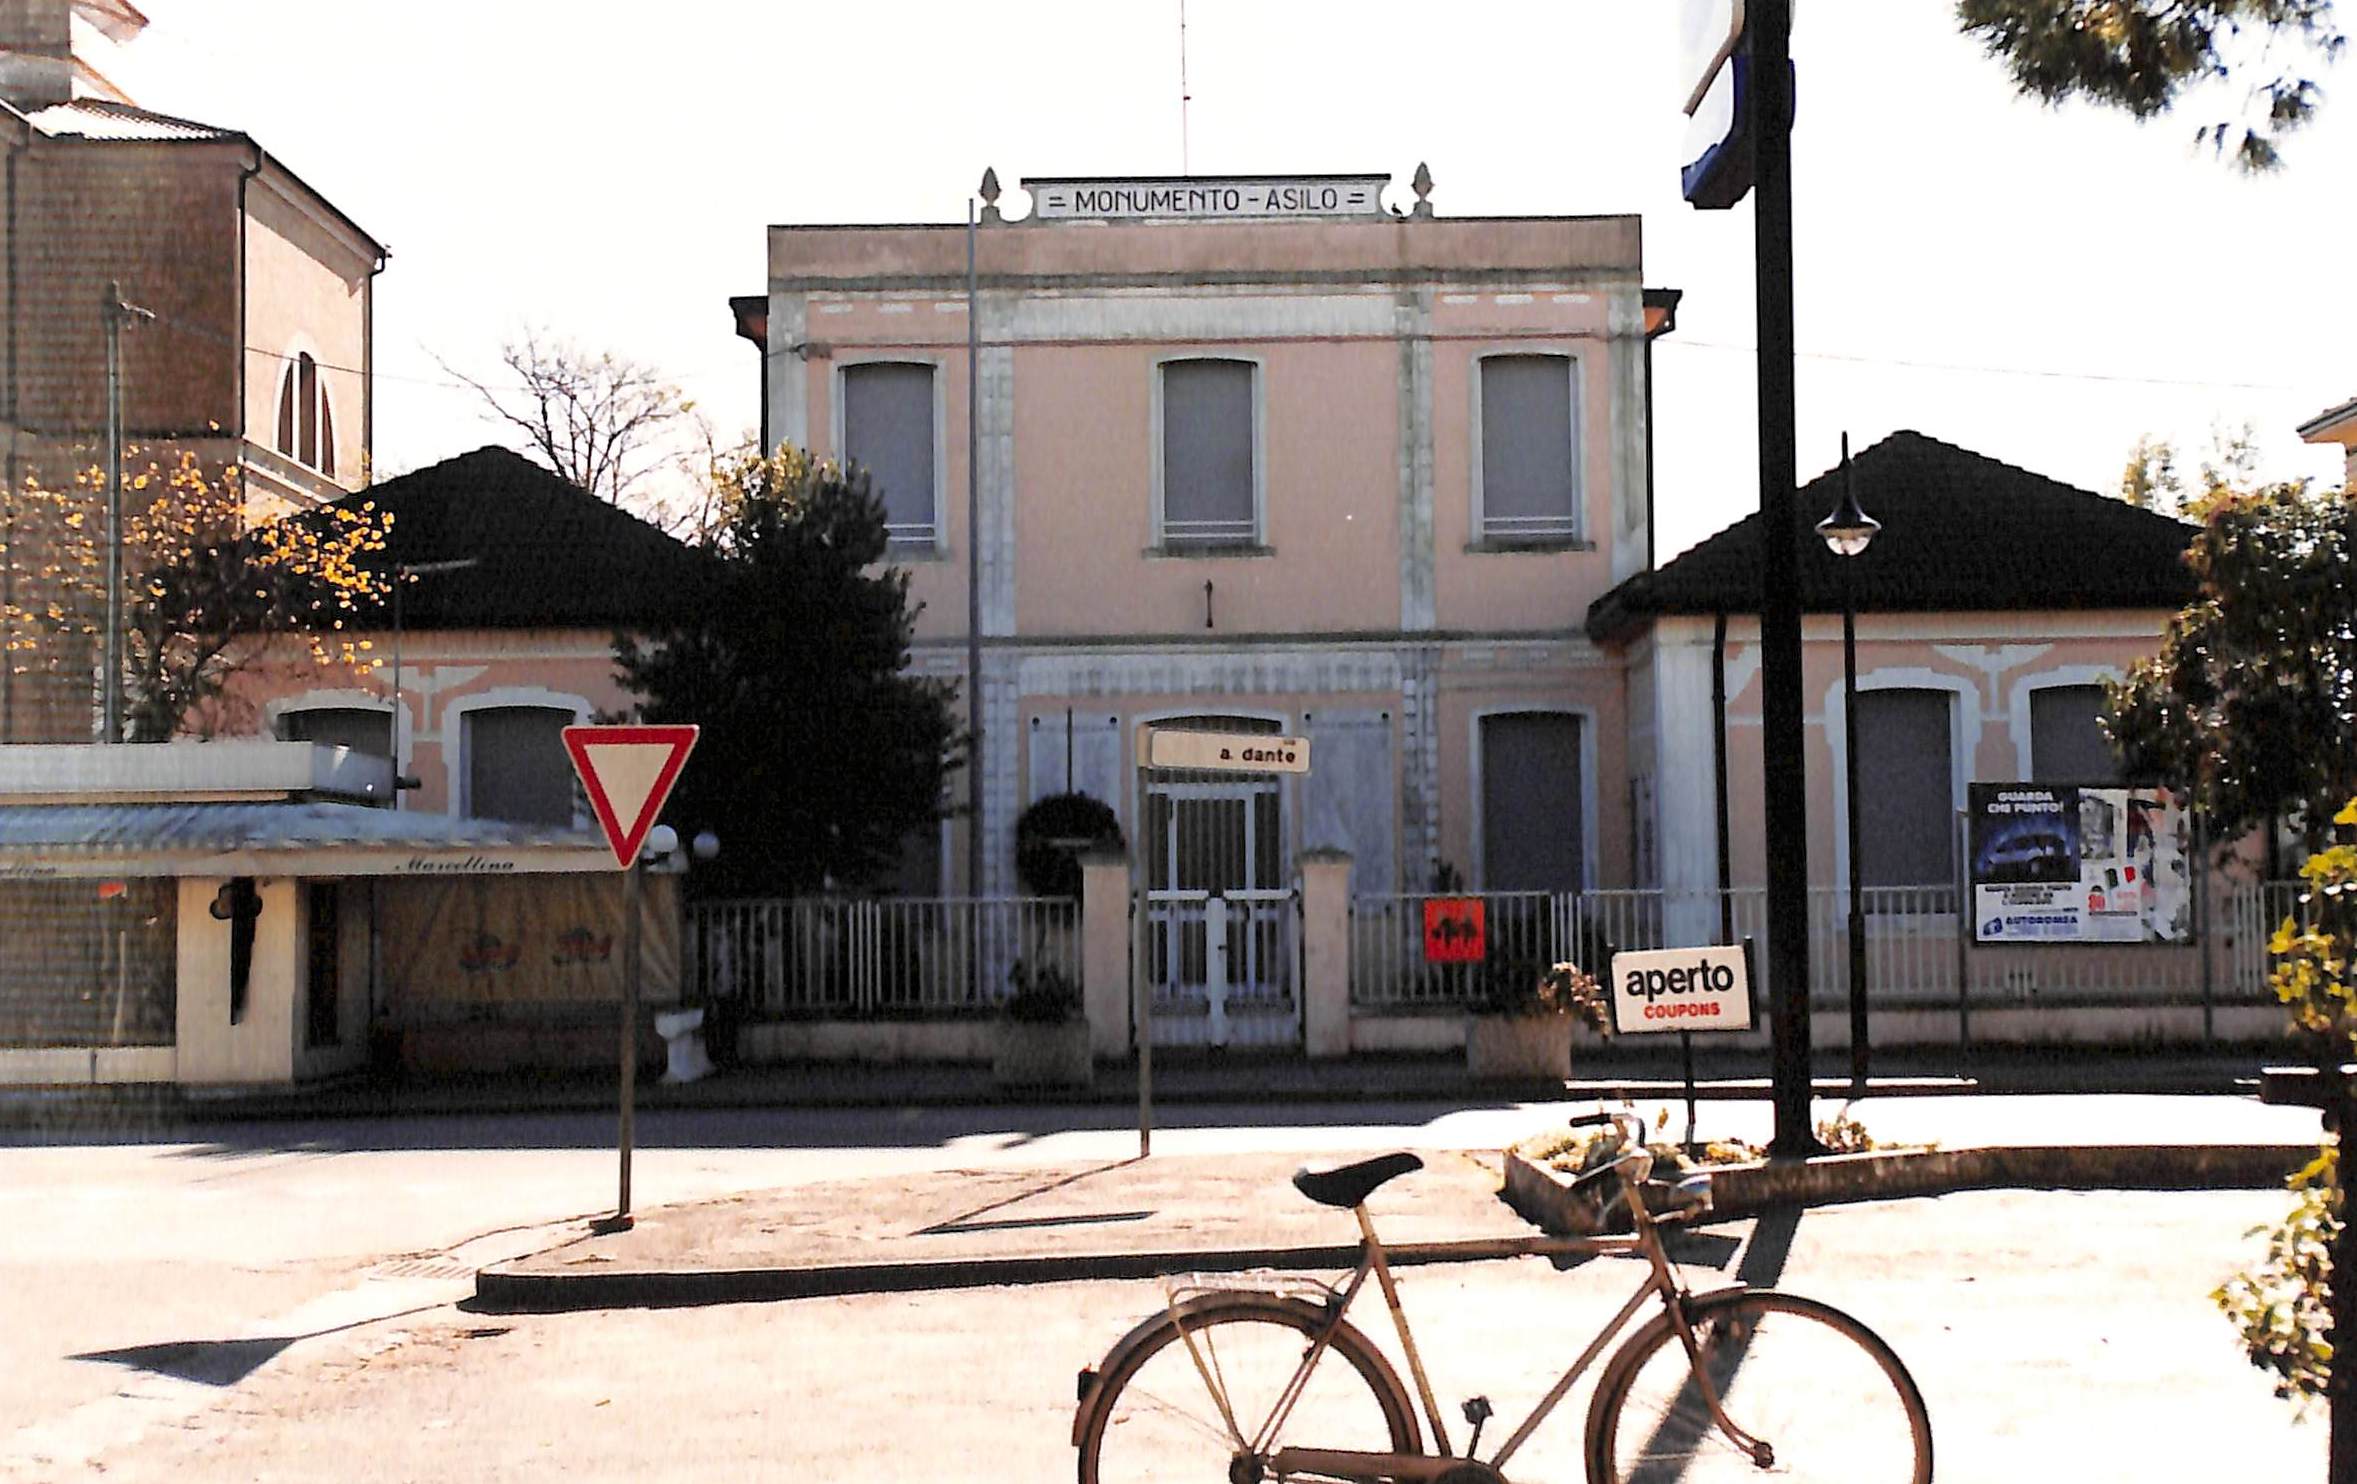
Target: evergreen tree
(2144,55)
(820,755)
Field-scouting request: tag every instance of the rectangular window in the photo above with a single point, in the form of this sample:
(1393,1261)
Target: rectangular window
(1531,829)
(1529,449)
(360,728)
(323,965)
(2067,742)
(1906,788)
(888,431)
(1208,455)
(517,768)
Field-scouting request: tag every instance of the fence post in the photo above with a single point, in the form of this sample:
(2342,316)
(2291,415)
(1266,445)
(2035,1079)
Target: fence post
(1104,952)
(1325,952)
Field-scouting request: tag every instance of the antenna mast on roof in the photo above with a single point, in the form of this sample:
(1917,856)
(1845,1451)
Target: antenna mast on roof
(1186,166)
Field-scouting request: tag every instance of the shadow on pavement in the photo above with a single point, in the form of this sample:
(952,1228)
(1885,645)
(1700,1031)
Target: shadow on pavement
(222,1362)
(1006,1126)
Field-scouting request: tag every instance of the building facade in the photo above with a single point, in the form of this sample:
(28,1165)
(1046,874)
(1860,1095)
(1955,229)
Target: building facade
(1262,454)
(256,351)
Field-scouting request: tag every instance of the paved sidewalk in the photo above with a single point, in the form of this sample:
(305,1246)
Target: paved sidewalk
(1127,1218)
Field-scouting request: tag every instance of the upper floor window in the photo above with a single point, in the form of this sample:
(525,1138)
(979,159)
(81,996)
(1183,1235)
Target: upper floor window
(306,426)
(1210,454)
(516,766)
(1906,788)
(2067,741)
(888,431)
(1528,485)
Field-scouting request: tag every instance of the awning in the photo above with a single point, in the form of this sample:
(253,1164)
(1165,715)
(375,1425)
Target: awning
(40,841)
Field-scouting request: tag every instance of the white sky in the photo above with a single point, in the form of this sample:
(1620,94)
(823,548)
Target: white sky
(2041,286)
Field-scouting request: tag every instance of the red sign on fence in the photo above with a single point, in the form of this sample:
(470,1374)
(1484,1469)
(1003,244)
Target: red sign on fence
(1456,930)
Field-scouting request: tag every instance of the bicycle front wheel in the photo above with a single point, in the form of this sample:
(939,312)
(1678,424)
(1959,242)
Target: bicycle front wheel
(1825,1395)
(1157,1419)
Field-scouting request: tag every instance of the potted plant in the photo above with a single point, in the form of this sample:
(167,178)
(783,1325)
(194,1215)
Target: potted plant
(1521,1027)
(1042,1039)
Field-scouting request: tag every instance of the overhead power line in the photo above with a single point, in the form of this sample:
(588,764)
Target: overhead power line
(1677,341)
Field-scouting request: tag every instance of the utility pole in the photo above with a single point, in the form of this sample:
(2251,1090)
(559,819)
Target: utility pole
(114,313)
(1787,819)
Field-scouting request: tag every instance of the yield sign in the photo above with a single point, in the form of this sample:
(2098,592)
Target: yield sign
(628,772)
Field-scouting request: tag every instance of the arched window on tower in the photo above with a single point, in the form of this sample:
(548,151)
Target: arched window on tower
(306,426)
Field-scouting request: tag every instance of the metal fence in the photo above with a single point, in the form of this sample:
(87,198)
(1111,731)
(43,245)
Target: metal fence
(1918,950)
(832,957)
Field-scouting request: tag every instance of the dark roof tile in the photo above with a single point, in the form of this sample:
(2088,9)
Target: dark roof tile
(1960,533)
(548,554)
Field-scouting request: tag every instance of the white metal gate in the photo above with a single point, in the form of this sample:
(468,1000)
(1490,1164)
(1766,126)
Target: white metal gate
(1221,942)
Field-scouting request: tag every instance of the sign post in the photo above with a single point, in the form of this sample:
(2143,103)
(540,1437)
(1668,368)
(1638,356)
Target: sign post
(628,773)
(1684,990)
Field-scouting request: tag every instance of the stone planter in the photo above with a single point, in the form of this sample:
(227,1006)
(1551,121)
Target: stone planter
(1028,1054)
(1518,1048)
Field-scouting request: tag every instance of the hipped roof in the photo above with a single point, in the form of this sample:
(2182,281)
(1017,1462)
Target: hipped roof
(547,553)
(1961,532)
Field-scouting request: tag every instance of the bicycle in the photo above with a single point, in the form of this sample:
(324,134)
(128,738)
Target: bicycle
(1733,1383)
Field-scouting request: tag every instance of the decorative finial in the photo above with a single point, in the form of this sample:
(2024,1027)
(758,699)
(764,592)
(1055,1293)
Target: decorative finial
(990,195)
(1423,185)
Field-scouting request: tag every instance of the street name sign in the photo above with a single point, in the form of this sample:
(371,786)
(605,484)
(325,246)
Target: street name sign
(628,773)
(1227,752)
(1681,989)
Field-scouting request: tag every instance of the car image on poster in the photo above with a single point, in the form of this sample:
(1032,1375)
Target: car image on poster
(2057,863)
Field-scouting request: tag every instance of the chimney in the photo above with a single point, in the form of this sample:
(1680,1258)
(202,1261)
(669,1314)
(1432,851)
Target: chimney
(49,49)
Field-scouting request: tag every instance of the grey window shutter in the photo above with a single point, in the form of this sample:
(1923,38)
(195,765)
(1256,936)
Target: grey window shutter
(1531,827)
(1207,452)
(516,765)
(1350,797)
(888,431)
(356,727)
(1906,788)
(2067,743)
(1529,464)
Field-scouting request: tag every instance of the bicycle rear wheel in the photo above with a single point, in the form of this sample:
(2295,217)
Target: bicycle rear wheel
(1820,1389)
(1156,1419)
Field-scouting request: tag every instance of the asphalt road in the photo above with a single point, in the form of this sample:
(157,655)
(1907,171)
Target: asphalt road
(162,1294)
(2056,1336)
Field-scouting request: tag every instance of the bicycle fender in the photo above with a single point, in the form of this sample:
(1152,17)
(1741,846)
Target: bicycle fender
(1092,1379)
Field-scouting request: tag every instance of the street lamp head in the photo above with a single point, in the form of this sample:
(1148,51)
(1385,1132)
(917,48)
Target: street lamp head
(705,846)
(661,841)
(1848,530)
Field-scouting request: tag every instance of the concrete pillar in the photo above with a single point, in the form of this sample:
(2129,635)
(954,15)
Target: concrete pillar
(259,1047)
(1104,952)
(1325,952)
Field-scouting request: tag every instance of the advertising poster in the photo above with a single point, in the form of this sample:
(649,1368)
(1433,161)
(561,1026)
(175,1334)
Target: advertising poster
(2054,863)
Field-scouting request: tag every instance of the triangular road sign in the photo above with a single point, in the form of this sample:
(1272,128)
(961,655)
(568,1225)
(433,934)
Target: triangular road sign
(628,773)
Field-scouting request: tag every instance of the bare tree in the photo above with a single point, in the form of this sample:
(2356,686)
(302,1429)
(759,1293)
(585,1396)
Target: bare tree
(599,420)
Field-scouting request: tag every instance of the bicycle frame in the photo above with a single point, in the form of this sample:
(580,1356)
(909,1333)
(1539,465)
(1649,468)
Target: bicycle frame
(1661,1281)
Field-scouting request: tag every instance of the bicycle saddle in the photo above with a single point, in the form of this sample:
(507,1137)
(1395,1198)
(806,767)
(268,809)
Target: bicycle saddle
(1351,1184)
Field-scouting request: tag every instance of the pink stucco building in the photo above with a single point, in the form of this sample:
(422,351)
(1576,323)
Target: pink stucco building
(1344,469)
(1300,454)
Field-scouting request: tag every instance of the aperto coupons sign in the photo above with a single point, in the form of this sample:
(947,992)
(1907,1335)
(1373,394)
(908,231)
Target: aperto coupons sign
(1681,989)
(2052,863)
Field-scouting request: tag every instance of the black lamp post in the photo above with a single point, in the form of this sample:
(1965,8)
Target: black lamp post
(1847,532)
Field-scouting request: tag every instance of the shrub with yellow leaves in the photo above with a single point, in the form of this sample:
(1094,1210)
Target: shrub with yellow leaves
(209,584)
